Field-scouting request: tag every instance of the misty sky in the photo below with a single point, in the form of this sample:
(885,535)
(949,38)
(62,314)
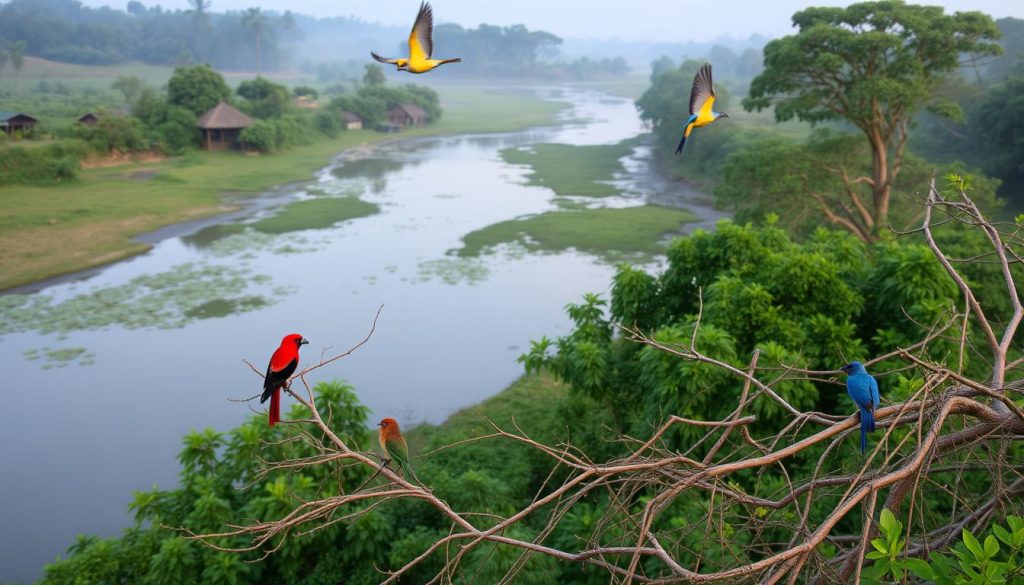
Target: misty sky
(653,20)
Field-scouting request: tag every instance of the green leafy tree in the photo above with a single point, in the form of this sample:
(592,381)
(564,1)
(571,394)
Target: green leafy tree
(305,91)
(265,99)
(874,65)
(197,88)
(130,86)
(3,58)
(260,136)
(374,76)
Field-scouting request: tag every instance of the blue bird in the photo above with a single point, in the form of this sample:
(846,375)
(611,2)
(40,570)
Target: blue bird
(702,104)
(863,389)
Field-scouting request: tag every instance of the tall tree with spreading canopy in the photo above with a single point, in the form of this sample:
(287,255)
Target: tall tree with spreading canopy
(874,65)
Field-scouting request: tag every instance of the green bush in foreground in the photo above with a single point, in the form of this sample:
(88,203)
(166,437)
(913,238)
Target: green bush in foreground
(52,163)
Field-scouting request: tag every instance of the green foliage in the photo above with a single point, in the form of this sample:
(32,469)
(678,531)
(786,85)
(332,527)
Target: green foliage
(276,134)
(114,134)
(171,127)
(197,88)
(261,136)
(816,305)
(808,75)
(305,91)
(264,98)
(53,163)
(328,123)
(973,562)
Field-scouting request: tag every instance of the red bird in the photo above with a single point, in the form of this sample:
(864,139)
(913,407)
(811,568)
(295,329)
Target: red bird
(282,366)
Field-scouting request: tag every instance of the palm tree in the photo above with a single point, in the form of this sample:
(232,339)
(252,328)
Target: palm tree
(201,22)
(17,54)
(254,20)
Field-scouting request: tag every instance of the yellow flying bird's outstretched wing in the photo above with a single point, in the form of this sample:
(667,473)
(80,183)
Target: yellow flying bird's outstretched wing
(702,96)
(421,38)
(384,59)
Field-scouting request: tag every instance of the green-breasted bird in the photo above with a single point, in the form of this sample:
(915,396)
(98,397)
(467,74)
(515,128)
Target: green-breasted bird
(702,104)
(395,447)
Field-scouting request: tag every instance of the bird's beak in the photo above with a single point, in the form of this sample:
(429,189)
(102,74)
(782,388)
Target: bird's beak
(304,342)
(724,115)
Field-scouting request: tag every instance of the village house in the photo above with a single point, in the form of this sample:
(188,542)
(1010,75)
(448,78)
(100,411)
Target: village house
(407,115)
(88,119)
(351,121)
(11,122)
(221,126)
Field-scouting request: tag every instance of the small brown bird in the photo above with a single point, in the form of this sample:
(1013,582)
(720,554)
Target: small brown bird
(421,46)
(395,447)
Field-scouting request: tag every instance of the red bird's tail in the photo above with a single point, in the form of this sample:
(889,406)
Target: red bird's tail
(275,406)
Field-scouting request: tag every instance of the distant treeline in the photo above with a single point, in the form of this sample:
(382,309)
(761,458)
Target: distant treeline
(253,40)
(67,31)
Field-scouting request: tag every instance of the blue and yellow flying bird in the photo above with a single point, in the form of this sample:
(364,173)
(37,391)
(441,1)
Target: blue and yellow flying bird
(702,104)
(863,389)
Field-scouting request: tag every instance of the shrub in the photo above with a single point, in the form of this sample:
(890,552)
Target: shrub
(261,136)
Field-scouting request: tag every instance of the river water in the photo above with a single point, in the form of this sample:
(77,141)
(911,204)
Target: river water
(105,373)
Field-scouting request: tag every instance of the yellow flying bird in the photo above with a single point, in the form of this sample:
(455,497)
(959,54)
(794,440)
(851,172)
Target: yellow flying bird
(702,104)
(421,46)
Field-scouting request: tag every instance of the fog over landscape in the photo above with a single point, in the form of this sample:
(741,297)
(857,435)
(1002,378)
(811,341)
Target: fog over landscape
(638,20)
(547,291)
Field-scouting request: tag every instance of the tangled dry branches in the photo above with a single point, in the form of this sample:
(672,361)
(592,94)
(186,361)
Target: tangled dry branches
(951,428)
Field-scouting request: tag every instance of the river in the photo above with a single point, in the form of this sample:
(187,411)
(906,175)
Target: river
(106,371)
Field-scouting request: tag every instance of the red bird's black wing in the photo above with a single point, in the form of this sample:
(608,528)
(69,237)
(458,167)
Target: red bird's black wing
(276,378)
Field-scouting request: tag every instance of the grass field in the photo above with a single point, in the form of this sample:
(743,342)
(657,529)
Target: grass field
(572,170)
(633,230)
(54,229)
(529,400)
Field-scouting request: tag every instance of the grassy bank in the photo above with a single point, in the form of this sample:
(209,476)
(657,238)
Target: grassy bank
(530,400)
(54,229)
(567,169)
(633,230)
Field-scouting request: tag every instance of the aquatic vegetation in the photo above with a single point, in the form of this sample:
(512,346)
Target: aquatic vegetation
(608,233)
(164,300)
(312,214)
(59,358)
(454,271)
(573,170)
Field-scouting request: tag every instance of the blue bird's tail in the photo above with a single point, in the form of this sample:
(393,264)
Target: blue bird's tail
(867,425)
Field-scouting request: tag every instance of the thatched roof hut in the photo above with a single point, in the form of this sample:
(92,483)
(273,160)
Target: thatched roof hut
(221,126)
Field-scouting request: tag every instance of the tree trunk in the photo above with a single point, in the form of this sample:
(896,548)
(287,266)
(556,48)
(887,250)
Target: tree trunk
(882,186)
